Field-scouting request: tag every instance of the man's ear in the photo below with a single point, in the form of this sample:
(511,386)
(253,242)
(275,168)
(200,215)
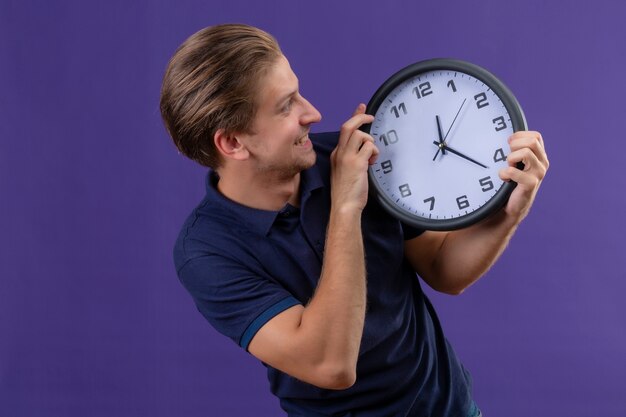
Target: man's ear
(229,146)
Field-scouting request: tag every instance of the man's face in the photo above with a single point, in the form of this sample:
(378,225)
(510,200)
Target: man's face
(280,145)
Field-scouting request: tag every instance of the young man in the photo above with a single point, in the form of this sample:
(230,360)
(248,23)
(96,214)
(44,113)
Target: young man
(286,256)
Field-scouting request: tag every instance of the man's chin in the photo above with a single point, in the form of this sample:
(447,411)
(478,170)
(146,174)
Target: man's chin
(311,160)
(304,163)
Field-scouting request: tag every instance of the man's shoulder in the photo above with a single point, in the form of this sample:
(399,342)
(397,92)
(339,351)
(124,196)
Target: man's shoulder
(324,142)
(208,229)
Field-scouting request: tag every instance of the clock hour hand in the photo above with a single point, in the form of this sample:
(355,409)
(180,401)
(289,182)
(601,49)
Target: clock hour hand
(442,146)
(443,151)
(442,141)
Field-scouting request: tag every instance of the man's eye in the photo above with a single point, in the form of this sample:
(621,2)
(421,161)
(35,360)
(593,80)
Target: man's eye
(287,106)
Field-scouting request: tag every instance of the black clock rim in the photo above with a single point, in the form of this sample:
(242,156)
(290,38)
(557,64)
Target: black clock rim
(518,121)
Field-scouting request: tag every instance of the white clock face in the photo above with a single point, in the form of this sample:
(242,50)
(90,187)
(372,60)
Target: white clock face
(443,137)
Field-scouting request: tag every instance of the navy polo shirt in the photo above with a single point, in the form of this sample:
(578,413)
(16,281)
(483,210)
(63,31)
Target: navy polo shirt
(243,266)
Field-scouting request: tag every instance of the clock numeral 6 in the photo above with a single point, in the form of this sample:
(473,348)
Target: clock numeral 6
(405,191)
(499,155)
(432,202)
(462,202)
(389,137)
(481,101)
(500,123)
(395,111)
(486,183)
(423,90)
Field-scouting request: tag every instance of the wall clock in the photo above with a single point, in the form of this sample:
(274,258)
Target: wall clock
(442,129)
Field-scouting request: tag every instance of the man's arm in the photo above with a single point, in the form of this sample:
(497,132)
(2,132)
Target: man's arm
(319,343)
(451,261)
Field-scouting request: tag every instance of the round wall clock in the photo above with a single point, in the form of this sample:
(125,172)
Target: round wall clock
(442,129)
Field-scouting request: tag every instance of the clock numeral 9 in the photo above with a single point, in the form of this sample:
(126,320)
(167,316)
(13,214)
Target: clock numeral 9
(500,123)
(389,137)
(432,202)
(423,90)
(405,191)
(499,155)
(462,202)
(395,111)
(481,101)
(486,183)
(386,166)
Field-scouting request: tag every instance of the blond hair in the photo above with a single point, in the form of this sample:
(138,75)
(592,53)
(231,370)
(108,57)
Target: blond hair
(211,83)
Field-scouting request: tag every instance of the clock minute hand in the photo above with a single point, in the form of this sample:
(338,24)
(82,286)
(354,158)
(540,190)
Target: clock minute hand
(443,147)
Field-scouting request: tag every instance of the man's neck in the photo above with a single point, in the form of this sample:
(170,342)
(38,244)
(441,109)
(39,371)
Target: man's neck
(260,192)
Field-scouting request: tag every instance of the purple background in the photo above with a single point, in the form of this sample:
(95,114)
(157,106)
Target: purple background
(93,321)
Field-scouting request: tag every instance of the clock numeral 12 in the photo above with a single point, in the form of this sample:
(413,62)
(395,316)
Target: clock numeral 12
(389,137)
(462,202)
(405,191)
(395,111)
(423,90)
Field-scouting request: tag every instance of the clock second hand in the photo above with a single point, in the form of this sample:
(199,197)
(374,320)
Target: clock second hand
(443,147)
(457,115)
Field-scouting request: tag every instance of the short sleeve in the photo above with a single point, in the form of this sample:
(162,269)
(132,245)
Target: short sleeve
(236,301)
(411,232)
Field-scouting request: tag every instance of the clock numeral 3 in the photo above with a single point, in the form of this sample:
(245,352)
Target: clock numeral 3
(486,183)
(499,155)
(462,202)
(386,166)
(423,90)
(395,111)
(389,137)
(500,123)
(481,101)
(432,202)
(405,191)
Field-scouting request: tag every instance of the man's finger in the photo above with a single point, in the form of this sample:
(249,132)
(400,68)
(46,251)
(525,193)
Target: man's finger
(349,127)
(360,109)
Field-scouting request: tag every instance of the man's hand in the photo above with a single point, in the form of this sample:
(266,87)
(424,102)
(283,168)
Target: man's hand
(349,162)
(451,261)
(528,148)
(319,343)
